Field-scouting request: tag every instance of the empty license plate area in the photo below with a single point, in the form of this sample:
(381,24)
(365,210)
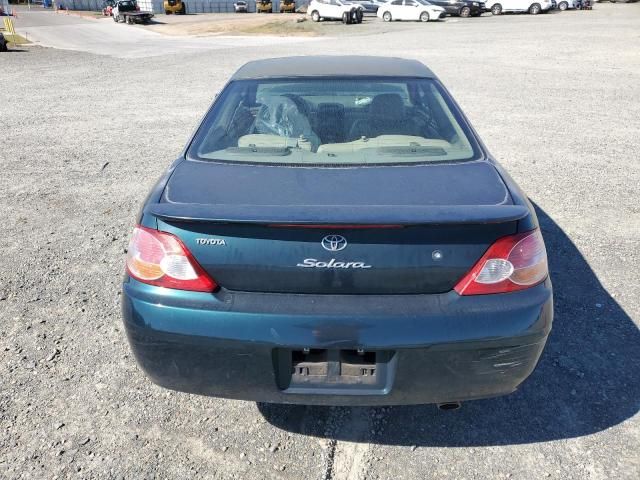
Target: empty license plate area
(333,371)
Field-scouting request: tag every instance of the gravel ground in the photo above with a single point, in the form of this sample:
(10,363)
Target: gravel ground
(555,97)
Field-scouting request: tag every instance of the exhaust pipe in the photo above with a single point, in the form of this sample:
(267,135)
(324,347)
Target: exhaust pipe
(449,406)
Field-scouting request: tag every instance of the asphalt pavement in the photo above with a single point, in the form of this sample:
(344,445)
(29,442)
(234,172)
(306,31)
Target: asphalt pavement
(102,36)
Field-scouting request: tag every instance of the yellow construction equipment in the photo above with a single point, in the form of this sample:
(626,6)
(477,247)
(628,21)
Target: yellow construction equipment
(8,25)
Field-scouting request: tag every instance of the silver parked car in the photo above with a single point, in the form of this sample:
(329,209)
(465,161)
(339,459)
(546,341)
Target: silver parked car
(240,7)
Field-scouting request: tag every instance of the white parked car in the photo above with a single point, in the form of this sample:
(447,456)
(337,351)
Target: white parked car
(534,7)
(334,10)
(410,10)
(567,4)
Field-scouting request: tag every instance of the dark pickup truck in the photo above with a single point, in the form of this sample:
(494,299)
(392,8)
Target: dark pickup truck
(129,12)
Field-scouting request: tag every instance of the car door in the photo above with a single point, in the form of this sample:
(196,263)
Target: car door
(395,8)
(450,6)
(513,5)
(410,10)
(342,7)
(523,5)
(328,9)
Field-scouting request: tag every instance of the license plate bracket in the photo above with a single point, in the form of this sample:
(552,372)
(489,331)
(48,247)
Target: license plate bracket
(332,371)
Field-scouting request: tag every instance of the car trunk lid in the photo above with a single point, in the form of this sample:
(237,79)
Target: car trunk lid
(385,230)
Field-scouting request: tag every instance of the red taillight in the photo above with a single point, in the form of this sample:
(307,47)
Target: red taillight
(512,263)
(160,258)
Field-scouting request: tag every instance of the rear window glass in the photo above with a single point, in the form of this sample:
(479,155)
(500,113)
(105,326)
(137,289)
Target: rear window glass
(333,121)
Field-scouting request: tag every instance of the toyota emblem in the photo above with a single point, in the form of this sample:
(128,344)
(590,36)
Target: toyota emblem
(334,243)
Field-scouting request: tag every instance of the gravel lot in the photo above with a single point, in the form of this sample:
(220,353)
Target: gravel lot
(556,98)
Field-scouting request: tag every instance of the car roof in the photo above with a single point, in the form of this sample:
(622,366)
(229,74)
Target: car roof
(332,66)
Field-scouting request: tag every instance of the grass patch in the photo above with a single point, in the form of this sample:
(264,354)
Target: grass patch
(283,28)
(15,39)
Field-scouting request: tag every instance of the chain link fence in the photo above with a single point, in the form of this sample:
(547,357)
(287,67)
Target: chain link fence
(156,6)
(95,5)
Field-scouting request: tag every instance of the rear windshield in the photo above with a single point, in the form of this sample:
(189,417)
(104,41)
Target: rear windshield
(333,121)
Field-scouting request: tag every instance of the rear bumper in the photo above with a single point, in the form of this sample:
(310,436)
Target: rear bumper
(442,347)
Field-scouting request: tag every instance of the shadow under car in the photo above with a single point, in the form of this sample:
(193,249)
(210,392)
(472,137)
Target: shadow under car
(586,380)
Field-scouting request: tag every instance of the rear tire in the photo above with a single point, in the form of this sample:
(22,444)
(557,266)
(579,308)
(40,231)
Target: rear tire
(562,6)
(465,12)
(386,16)
(496,9)
(535,9)
(424,17)
(315,16)
(359,15)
